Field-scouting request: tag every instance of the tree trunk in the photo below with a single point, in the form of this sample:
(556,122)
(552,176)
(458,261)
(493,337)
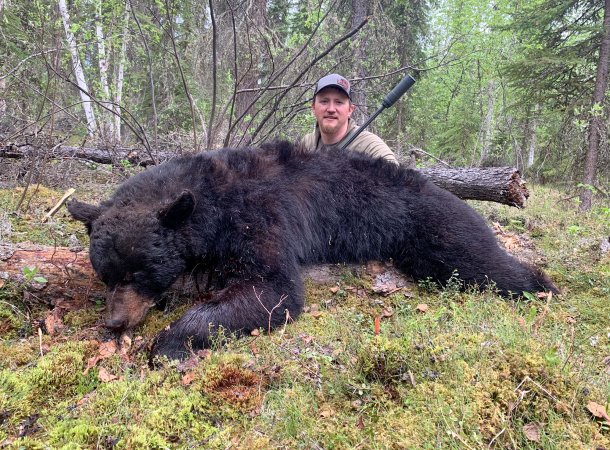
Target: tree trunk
(486,127)
(253,54)
(69,274)
(495,184)
(359,13)
(596,123)
(105,129)
(78,69)
(530,136)
(120,75)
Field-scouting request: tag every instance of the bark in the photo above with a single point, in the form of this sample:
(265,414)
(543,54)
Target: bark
(486,126)
(105,115)
(120,75)
(494,184)
(530,136)
(78,69)
(69,273)
(102,156)
(596,123)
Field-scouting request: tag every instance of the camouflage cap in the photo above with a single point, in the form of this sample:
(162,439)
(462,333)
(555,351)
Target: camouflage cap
(333,80)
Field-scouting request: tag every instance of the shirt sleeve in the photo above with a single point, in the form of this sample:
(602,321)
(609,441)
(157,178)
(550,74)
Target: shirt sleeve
(372,145)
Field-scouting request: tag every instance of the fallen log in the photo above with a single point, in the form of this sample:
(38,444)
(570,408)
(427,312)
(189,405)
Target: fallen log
(68,273)
(70,278)
(495,184)
(136,157)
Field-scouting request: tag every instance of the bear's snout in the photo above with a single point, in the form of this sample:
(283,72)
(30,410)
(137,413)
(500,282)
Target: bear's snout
(126,308)
(116,325)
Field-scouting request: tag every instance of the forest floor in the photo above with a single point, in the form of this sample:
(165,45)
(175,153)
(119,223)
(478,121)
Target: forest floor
(412,367)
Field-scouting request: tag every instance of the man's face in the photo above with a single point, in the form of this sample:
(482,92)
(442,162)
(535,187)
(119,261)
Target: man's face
(332,108)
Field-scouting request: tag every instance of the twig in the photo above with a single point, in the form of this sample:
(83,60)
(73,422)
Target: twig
(172,39)
(14,69)
(419,150)
(496,437)
(330,48)
(53,210)
(40,340)
(543,315)
(454,435)
(258,297)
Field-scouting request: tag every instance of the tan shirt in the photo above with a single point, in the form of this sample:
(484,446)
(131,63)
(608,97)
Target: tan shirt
(366,142)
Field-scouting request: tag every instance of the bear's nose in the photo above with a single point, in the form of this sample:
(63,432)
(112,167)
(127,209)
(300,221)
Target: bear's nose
(115,324)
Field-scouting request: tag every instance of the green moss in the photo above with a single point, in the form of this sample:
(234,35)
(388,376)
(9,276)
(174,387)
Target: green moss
(472,369)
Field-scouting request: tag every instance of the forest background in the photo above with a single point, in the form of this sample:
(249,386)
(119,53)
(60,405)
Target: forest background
(500,82)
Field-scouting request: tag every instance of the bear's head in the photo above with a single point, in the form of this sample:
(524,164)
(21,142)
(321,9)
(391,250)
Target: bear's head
(137,251)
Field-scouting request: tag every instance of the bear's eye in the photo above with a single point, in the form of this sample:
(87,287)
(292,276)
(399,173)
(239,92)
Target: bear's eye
(128,277)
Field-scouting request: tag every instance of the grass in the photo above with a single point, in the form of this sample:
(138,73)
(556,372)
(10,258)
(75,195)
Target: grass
(472,371)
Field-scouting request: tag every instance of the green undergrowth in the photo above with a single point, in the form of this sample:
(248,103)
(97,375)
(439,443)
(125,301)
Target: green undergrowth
(441,369)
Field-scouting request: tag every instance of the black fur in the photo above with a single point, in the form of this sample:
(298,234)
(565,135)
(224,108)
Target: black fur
(257,214)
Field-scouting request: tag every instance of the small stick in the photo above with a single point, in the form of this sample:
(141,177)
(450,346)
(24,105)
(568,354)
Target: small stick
(51,213)
(40,340)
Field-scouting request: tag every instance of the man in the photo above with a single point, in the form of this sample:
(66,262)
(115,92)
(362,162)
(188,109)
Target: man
(332,107)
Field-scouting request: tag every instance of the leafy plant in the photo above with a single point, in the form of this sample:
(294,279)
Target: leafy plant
(30,274)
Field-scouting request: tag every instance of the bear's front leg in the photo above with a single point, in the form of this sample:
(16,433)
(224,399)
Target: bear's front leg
(240,308)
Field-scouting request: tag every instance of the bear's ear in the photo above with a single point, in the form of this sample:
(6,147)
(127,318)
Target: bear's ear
(84,212)
(178,211)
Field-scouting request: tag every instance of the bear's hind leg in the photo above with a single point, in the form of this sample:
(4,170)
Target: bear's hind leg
(240,308)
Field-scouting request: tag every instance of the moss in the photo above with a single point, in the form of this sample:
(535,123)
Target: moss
(473,368)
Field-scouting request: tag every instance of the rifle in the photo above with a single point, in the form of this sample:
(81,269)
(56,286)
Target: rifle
(398,91)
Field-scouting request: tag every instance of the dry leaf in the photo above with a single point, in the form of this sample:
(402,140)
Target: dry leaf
(188,364)
(253,348)
(2,283)
(598,411)
(327,412)
(334,289)
(510,242)
(105,376)
(255,332)
(360,423)
(53,323)
(125,342)
(306,338)
(125,345)
(107,349)
(422,308)
(387,312)
(206,353)
(316,314)
(532,431)
(188,378)
(377,325)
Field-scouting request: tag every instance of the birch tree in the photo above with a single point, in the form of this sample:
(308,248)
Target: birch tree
(103,62)
(78,69)
(120,72)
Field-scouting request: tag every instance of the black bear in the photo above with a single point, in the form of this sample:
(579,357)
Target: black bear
(254,215)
